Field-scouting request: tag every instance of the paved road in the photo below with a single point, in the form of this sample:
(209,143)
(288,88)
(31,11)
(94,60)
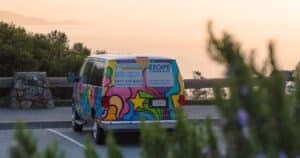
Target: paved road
(72,143)
(63,114)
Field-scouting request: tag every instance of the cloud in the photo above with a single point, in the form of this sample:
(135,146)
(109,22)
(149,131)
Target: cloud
(26,20)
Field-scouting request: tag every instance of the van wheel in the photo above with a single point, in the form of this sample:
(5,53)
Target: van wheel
(76,127)
(98,133)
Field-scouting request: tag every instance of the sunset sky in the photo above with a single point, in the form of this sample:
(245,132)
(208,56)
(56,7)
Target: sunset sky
(174,28)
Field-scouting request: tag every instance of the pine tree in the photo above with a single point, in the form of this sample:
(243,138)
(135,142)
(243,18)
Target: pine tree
(112,148)
(25,146)
(260,118)
(154,141)
(25,143)
(90,151)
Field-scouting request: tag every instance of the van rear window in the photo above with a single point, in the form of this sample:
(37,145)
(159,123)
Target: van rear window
(159,75)
(128,75)
(131,75)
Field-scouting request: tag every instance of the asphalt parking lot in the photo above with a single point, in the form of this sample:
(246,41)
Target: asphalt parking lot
(71,143)
(53,125)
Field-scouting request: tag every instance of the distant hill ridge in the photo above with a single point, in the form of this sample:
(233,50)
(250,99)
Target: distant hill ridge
(20,19)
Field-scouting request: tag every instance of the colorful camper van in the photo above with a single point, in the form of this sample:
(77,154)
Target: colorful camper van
(116,92)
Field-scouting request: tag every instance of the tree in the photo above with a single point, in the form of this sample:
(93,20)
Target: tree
(23,51)
(59,42)
(261,120)
(80,49)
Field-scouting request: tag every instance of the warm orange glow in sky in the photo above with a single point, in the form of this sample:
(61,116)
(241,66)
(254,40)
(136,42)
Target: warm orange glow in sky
(174,28)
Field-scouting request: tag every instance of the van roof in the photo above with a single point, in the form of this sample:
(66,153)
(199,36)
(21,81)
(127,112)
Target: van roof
(126,57)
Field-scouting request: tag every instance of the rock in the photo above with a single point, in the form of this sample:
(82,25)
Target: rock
(47,94)
(19,84)
(31,90)
(26,104)
(13,93)
(50,104)
(20,93)
(40,83)
(14,103)
(46,85)
(39,105)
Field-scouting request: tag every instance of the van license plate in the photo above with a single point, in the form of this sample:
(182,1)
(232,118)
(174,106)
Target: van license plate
(159,103)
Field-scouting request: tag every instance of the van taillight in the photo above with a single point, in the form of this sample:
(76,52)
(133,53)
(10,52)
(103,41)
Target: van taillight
(181,100)
(105,101)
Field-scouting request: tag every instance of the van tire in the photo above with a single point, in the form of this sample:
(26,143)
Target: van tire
(76,127)
(98,133)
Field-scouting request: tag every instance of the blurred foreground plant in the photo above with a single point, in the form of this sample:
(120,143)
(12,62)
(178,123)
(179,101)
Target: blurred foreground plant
(188,140)
(260,119)
(90,151)
(154,141)
(112,148)
(25,146)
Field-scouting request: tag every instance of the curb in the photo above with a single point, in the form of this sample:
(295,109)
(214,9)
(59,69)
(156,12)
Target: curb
(37,125)
(67,124)
(214,121)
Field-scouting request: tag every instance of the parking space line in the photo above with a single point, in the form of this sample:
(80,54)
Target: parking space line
(67,138)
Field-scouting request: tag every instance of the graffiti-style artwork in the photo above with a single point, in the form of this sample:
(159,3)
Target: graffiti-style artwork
(129,102)
(87,97)
(133,90)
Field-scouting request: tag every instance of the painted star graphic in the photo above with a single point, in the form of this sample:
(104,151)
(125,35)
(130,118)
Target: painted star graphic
(138,102)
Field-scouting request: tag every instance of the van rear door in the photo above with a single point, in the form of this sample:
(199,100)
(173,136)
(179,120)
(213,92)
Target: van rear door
(142,88)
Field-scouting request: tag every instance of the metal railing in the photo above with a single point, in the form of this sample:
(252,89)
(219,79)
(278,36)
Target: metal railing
(62,82)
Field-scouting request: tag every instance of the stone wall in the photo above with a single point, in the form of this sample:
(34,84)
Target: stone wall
(31,90)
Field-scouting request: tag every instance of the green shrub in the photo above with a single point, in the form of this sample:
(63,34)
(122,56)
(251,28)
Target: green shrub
(112,148)
(188,140)
(25,143)
(25,146)
(90,151)
(24,51)
(5,100)
(154,141)
(261,120)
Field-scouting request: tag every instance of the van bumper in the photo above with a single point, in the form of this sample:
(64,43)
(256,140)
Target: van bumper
(135,125)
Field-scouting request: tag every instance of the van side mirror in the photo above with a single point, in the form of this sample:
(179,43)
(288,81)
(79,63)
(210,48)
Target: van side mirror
(72,77)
